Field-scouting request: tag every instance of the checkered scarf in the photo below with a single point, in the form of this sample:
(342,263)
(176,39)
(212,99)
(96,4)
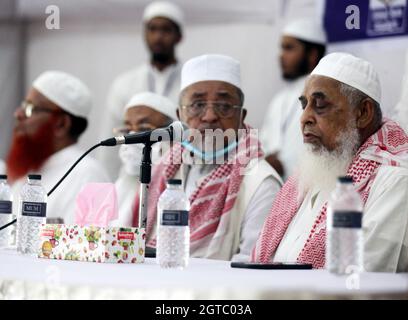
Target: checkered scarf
(214,198)
(388,146)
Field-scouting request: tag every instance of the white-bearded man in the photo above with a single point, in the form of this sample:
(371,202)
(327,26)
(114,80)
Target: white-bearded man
(344,134)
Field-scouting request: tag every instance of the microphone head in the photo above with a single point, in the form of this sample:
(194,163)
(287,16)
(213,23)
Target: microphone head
(174,132)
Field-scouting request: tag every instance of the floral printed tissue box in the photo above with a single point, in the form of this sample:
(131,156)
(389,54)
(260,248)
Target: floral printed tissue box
(93,244)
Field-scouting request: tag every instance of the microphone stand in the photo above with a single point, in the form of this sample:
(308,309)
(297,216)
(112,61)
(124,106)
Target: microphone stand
(145,178)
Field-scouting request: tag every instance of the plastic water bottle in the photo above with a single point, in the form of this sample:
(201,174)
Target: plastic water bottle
(345,244)
(6,212)
(173,231)
(33,206)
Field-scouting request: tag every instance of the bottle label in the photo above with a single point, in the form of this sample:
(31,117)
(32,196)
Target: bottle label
(5,207)
(174,218)
(34,209)
(347,219)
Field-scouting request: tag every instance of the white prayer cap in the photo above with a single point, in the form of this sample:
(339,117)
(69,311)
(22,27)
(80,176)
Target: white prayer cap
(157,102)
(351,70)
(211,67)
(164,9)
(66,91)
(307,30)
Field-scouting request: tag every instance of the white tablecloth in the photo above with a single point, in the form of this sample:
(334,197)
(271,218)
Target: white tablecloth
(23,277)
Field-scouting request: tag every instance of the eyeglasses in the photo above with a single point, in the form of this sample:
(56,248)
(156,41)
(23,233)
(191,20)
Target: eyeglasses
(222,108)
(29,109)
(133,129)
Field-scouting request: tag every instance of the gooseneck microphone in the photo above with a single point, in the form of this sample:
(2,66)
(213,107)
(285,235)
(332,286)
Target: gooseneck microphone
(173,132)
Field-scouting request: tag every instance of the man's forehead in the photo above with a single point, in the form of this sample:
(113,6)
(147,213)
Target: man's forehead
(141,111)
(205,88)
(320,85)
(160,22)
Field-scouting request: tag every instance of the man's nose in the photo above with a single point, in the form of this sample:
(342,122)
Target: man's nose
(307,117)
(209,114)
(19,114)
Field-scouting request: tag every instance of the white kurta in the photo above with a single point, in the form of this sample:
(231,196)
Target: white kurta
(2,167)
(61,203)
(143,78)
(248,214)
(281,131)
(385,224)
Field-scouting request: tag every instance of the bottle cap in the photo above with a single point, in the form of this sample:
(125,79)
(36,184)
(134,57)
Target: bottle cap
(3,176)
(174,182)
(345,179)
(34,176)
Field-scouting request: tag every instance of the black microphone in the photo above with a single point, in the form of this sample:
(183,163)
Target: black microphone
(174,132)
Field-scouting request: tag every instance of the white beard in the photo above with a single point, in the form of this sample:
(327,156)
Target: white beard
(319,169)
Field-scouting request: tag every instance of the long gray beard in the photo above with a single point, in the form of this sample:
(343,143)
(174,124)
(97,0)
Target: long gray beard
(319,169)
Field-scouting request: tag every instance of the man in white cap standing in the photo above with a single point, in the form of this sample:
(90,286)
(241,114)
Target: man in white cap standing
(163,22)
(144,111)
(48,125)
(302,46)
(229,185)
(344,134)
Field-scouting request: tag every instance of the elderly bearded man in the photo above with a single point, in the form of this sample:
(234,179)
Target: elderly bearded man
(229,197)
(343,133)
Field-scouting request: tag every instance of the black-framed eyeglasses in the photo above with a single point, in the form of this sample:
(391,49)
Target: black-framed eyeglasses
(29,109)
(223,109)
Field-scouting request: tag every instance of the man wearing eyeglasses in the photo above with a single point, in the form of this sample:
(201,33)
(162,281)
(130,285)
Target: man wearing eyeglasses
(228,183)
(144,111)
(48,125)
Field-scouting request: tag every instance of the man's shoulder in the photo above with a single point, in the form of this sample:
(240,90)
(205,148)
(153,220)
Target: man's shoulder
(259,169)
(130,75)
(390,174)
(89,166)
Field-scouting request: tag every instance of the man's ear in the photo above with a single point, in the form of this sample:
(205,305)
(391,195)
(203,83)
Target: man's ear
(244,114)
(62,126)
(365,113)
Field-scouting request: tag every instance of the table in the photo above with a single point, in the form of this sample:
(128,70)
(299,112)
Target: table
(24,277)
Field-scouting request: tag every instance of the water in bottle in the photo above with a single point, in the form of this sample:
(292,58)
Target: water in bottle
(345,245)
(33,205)
(6,212)
(173,232)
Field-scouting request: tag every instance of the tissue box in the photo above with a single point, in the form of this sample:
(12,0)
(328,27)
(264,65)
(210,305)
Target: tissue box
(93,244)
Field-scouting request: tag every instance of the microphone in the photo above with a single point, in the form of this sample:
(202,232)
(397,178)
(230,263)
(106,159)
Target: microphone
(174,132)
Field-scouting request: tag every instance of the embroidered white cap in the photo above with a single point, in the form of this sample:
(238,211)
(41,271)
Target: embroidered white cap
(155,101)
(306,29)
(211,67)
(164,9)
(66,91)
(355,72)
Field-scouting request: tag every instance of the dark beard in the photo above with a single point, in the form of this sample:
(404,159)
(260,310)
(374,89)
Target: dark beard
(161,58)
(29,153)
(301,70)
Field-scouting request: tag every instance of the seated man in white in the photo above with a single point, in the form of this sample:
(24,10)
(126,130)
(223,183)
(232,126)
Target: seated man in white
(49,123)
(229,184)
(344,134)
(144,111)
